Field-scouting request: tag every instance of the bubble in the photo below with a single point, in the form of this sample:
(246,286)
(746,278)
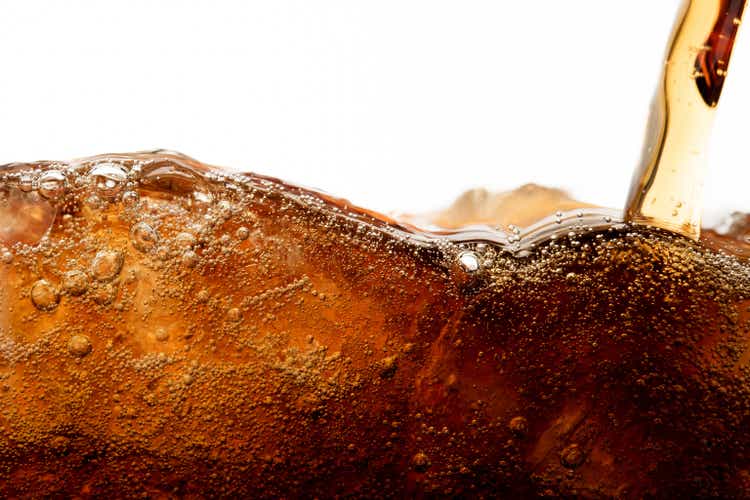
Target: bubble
(203,296)
(242,233)
(44,295)
(94,202)
(52,184)
(421,462)
(161,335)
(234,315)
(106,265)
(79,346)
(104,294)
(469,262)
(130,199)
(26,184)
(519,426)
(388,366)
(189,258)
(75,282)
(108,179)
(6,257)
(572,456)
(185,240)
(143,237)
(224,208)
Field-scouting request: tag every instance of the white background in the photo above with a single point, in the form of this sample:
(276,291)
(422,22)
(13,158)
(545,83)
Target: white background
(395,104)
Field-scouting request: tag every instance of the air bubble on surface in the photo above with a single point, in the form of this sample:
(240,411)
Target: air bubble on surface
(108,179)
(52,184)
(469,261)
(26,183)
(172,177)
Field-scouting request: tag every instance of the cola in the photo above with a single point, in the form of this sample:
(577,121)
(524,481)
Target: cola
(170,329)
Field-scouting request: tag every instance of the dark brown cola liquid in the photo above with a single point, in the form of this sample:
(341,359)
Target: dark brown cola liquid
(173,330)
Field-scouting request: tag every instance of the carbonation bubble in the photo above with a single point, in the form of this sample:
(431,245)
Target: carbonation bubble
(94,202)
(189,258)
(104,294)
(572,456)
(106,265)
(143,237)
(26,184)
(203,296)
(6,257)
(108,179)
(242,233)
(469,261)
(421,462)
(79,346)
(519,426)
(234,315)
(52,185)
(185,240)
(130,199)
(161,335)
(44,295)
(75,282)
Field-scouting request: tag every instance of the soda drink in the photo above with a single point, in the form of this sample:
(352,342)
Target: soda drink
(172,329)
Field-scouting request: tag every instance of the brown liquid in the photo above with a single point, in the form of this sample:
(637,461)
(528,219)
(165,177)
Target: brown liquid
(168,329)
(667,187)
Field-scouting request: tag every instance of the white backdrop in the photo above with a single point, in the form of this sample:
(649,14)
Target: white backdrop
(395,104)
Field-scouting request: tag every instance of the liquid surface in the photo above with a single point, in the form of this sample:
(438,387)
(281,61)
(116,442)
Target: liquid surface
(170,329)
